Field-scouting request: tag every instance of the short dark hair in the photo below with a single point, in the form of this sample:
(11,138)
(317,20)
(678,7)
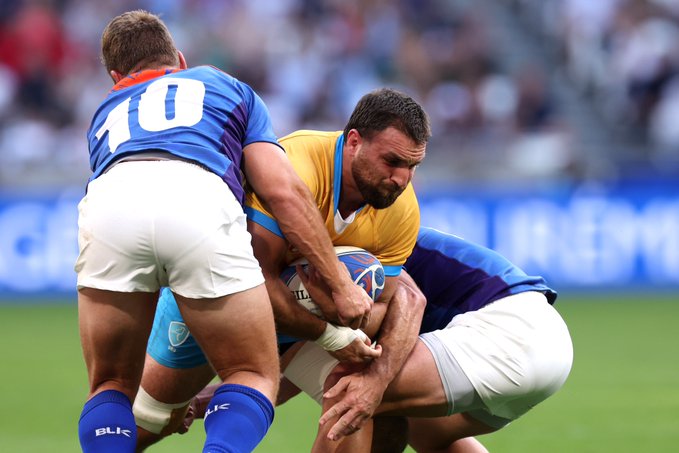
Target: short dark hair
(386,107)
(137,40)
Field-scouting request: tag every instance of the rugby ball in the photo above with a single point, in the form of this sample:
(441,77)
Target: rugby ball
(365,270)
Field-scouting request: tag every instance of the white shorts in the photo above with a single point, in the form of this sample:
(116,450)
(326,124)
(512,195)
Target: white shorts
(147,224)
(515,352)
(495,363)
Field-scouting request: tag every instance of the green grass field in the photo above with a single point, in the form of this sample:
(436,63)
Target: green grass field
(622,395)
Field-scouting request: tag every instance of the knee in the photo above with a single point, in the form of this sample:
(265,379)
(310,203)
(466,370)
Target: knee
(390,434)
(157,419)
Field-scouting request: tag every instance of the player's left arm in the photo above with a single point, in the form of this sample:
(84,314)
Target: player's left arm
(361,392)
(403,309)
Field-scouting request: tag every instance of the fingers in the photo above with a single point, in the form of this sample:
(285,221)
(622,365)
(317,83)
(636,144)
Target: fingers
(354,322)
(334,391)
(365,320)
(302,274)
(361,308)
(367,353)
(188,420)
(348,424)
(357,353)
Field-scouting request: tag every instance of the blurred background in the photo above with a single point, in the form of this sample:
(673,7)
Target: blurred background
(555,141)
(554,120)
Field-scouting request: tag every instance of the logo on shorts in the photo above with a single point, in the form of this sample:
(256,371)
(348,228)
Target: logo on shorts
(178,333)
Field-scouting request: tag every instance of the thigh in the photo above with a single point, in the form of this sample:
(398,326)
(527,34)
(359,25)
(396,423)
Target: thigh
(307,366)
(437,434)
(417,389)
(114,328)
(390,434)
(238,336)
(171,344)
(174,385)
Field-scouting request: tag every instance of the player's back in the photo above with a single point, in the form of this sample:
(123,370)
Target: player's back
(199,114)
(458,276)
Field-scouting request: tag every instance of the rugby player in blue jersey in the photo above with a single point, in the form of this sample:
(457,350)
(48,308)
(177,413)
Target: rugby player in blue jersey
(491,347)
(170,150)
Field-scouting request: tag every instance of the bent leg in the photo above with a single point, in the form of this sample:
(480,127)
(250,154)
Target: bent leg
(357,442)
(390,434)
(417,389)
(114,328)
(165,394)
(237,334)
(452,434)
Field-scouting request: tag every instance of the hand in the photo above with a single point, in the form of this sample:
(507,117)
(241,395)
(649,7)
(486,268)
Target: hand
(349,307)
(353,305)
(362,395)
(357,352)
(188,419)
(197,407)
(319,292)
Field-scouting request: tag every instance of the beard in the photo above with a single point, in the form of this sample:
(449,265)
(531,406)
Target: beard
(378,195)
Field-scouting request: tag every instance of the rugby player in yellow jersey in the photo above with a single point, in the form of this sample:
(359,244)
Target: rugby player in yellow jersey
(361,180)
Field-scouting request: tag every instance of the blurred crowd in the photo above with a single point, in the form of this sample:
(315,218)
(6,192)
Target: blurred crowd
(312,59)
(623,55)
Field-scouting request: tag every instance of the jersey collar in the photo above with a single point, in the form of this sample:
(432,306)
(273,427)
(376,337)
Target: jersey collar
(141,76)
(337,177)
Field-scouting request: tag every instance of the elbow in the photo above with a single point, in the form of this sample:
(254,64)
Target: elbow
(419,302)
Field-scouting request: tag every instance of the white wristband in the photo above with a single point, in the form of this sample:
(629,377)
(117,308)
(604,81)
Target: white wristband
(335,338)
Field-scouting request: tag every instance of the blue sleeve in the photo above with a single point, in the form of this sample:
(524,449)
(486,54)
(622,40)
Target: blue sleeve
(392,271)
(260,128)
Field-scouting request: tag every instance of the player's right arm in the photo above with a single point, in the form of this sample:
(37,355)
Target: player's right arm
(274,180)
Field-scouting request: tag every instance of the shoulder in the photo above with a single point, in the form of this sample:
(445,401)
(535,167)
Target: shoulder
(217,77)
(315,148)
(467,252)
(307,137)
(211,71)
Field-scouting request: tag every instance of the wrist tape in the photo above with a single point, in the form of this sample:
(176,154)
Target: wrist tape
(335,338)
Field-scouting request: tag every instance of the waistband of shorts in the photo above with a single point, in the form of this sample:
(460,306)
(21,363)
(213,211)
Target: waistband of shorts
(154,155)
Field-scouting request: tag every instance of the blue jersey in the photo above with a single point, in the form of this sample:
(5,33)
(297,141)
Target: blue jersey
(200,114)
(457,276)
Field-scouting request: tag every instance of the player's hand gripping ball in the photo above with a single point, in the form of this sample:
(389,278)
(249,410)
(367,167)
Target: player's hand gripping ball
(366,271)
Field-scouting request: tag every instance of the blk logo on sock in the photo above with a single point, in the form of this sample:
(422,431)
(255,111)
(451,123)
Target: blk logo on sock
(118,431)
(215,408)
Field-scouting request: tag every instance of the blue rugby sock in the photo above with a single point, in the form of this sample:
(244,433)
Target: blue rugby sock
(107,424)
(236,419)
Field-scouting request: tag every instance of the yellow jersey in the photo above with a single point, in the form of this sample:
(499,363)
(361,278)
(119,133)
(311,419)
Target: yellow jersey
(389,233)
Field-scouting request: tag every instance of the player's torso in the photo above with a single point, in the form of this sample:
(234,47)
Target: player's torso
(317,158)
